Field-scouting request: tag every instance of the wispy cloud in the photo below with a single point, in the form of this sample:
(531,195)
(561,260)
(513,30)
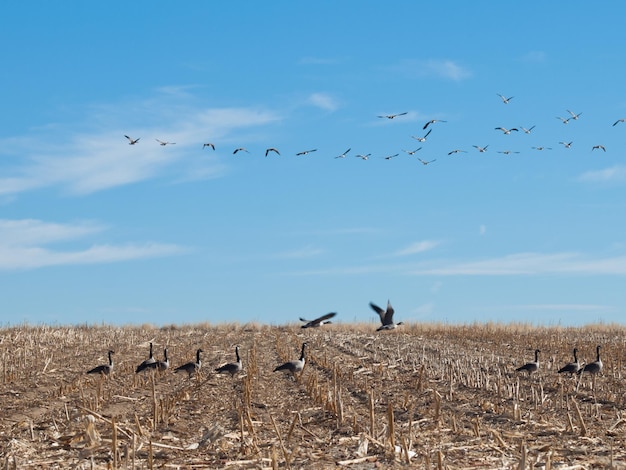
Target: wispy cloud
(84,159)
(23,245)
(417,247)
(324,101)
(436,68)
(299,253)
(614,174)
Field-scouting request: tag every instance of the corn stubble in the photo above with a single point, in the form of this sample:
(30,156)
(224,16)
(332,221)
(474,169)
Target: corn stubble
(430,396)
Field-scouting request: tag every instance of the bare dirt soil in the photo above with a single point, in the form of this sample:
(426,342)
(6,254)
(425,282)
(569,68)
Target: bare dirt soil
(426,396)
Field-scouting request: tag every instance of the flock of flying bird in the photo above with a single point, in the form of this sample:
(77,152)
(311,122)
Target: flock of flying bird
(295,366)
(482,149)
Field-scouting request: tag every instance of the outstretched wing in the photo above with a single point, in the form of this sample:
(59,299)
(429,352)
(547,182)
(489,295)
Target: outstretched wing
(379,311)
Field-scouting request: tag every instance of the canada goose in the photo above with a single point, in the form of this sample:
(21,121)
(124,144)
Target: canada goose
(209,145)
(432,121)
(564,120)
(600,147)
(456,151)
(386,316)
(571,367)
(412,152)
(323,320)
(343,155)
(542,148)
(574,115)
(132,141)
(292,367)
(505,130)
(527,131)
(618,121)
(305,152)
(504,99)
(363,157)
(191,367)
(426,162)
(481,149)
(507,152)
(103,368)
(530,367)
(422,139)
(145,364)
(240,149)
(231,368)
(164,364)
(163,143)
(389,157)
(592,368)
(567,144)
(271,149)
(392,116)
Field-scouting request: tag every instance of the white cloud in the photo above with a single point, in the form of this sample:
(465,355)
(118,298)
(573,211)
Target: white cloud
(305,252)
(614,174)
(323,101)
(417,247)
(22,245)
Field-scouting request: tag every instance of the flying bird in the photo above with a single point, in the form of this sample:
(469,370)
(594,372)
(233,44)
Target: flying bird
(422,139)
(412,152)
(392,116)
(164,143)
(527,131)
(542,148)
(389,157)
(271,149)
(567,144)
(209,145)
(504,99)
(564,120)
(618,121)
(432,121)
(505,130)
(132,141)
(456,151)
(573,114)
(304,152)
(363,157)
(240,149)
(426,162)
(507,152)
(343,155)
(386,316)
(600,147)
(323,320)
(481,149)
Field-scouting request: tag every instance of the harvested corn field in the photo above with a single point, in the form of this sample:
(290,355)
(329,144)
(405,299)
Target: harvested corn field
(426,396)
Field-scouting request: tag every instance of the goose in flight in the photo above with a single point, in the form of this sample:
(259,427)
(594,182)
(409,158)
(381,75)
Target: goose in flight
(432,121)
(618,121)
(599,147)
(564,120)
(132,141)
(392,116)
(386,316)
(530,367)
(240,149)
(422,139)
(389,157)
(527,131)
(507,152)
(505,130)
(567,145)
(426,162)
(271,149)
(293,367)
(209,144)
(542,148)
(323,320)
(231,368)
(571,367)
(481,149)
(504,99)
(103,368)
(191,367)
(343,155)
(412,152)
(593,368)
(363,157)
(304,152)
(456,151)
(163,143)
(574,115)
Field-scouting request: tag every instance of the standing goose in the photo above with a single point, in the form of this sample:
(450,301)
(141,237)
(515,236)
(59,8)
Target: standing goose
(572,367)
(386,316)
(163,365)
(530,367)
(147,363)
(191,367)
(323,320)
(103,368)
(593,368)
(231,368)
(292,367)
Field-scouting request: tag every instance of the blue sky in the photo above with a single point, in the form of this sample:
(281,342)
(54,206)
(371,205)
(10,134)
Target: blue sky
(94,230)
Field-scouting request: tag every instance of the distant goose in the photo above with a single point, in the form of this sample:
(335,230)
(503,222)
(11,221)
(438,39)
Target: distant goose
(292,367)
(343,155)
(422,139)
(504,99)
(412,152)
(271,149)
(574,115)
(571,367)
(392,116)
(505,130)
(240,149)
(564,120)
(481,149)
(146,364)
(432,121)
(191,367)
(530,367)
(527,131)
(593,368)
(363,157)
(426,162)
(542,148)
(103,368)
(389,157)
(132,141)
(305,152)
(209,145)
(507,152)
(618,121)
(323,320)
(456,151)
(567,144)
(600,147)
(164,143)
(162,365)
(386,316)
(231,368)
